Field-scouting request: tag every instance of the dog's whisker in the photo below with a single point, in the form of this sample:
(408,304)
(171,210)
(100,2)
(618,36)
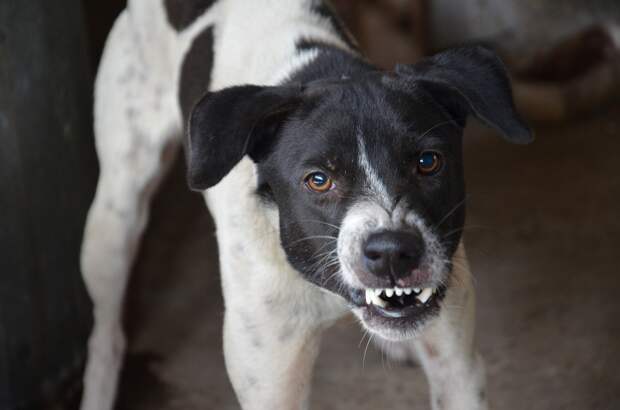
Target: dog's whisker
(453,307)
(307,238)
(362,339)
(382,349)
(317,252)
(322,223)
(366,351)
(453,210)
(330,277)
(324,257)
(434,127)
(464,228)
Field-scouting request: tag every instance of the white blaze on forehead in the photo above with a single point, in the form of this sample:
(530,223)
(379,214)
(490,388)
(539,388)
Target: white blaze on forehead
(375,183)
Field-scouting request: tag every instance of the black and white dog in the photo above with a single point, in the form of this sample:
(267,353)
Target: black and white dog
(335,187)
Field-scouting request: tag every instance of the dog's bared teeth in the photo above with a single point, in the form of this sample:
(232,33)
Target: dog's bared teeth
(379,302)
(372,297)
(378,291)
(389,292)
(398,291)
(416,290)
(407,291)
(376,300)
(425,295)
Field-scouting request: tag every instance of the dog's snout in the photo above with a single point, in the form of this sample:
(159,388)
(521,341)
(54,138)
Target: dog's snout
(393,253)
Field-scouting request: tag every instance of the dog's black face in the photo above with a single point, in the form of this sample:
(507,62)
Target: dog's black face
(366,173)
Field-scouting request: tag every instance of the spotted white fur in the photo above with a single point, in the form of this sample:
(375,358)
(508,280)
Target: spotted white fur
(273,318)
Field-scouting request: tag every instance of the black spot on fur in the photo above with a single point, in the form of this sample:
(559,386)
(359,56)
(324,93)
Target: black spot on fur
(132,114)
(196,72)
(251,382)
(238,248)
(182,13)
(287,330)
(256,342)
(251,330)
(440,402)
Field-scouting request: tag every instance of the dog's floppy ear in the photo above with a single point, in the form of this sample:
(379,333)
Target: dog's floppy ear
(226,125)
(471,80)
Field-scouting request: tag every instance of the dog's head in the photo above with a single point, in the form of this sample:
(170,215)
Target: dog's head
(366,173)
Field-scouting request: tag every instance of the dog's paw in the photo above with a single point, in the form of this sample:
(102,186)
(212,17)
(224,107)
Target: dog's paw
(402,353)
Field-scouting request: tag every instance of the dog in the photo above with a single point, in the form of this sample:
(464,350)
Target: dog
(335,187)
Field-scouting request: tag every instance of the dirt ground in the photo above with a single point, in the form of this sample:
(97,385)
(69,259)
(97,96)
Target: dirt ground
(543,237)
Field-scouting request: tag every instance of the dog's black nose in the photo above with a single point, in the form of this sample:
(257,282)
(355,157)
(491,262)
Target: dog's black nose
(393,253)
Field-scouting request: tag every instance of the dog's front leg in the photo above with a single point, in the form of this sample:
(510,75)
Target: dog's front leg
(269,365)
(272,331)
(454,370)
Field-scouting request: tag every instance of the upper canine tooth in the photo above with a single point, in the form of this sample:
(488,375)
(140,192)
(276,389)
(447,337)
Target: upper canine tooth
(398,291)
(389,292)
(369,294)
(425,295)
(407,291)
(378,301)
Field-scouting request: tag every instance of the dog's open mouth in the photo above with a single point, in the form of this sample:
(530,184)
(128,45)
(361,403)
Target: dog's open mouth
(399,309)
(402,302)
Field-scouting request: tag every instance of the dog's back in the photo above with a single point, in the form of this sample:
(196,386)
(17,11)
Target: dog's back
(193,46)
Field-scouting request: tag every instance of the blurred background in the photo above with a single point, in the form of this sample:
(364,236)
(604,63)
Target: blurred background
(543,232)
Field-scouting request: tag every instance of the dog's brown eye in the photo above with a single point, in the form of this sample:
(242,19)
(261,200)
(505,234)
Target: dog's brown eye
(319,182)
(429,162)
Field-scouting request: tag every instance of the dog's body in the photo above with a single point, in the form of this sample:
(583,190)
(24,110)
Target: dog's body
(160,59)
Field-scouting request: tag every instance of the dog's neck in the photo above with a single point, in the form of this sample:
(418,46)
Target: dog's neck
(329,63)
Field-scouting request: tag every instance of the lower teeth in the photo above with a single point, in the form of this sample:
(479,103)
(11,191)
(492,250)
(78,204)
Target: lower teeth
(398,298)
